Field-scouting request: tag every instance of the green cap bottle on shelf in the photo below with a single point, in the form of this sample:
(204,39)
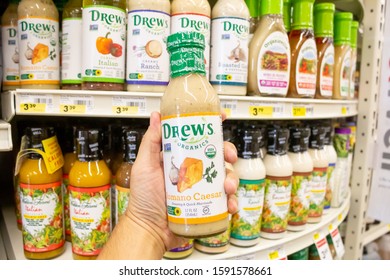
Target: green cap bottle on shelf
(342,28)
(253,6)
(323,19)
(302,16)
(354,34)
(287,14)
(271,7)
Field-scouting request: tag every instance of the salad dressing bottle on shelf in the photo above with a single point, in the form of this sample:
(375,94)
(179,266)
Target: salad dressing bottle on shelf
(184,251)
(303,51)
(215,244)
(245,224)
(148,26)
(287,15)
(323,30)
(10,52)
(269,53)
(332,159)
(302,171)
(192,142)
(354,39)
(229,47)
(254,9)
(342,56)
(193,15)
(89,197)
(279,171)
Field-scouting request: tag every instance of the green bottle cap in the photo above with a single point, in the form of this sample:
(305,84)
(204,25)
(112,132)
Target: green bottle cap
(14,1)
(287,14)
(271,7)
(186,53)
(302,14)
(253,6)
(342,28)
(354,33)
(323,19)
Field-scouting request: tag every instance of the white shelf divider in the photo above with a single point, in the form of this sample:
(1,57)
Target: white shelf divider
(5,137)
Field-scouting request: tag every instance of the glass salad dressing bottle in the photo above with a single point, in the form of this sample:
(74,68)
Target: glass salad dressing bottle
(354,39)
(245,224)
(89,197)
(9,38)
(39,62)
(302,171)
(269,53)
(193,15)
(279,171)
(342,54)
(192,140)
(323,30)
(303,51)
(215,244)
(332,159)
(148,26)
(229,47)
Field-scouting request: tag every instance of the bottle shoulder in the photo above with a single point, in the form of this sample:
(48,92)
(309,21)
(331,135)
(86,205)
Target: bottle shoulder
(250,169)
(191,6)
(155,5)
(230,8)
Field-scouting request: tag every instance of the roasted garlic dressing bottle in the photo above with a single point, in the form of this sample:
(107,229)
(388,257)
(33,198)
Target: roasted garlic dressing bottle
(41,199)
(323,30)
(342,55)
(181,252)
(254,9)
(103,44)
(71,45)
(245,224)
(269,53)
(229,47)
(148,26)
(193,15)
(279,171)
(302,170)
(192,139)
(89,197)
(332,159)
(38,33)
(9,38)
(287,15)
(354,39)
(319,175)
(303,51)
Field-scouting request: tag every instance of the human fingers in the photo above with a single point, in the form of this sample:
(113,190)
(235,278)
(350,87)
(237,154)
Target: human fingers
(232,204)
(230,152)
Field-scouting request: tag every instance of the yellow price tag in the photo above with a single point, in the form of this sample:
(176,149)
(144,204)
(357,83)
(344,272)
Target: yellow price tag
(340,217)
(125,110)
(53,158)
(72,109)
(330,227)
(228,112)
(344,110)
(273,255)
(317,236)
(256,111)
(33,107)
(299,111)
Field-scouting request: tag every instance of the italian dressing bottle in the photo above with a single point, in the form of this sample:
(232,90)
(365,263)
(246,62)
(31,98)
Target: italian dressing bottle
(193,15)
(229,47)
(148,26)
(279,171)
(354,39)
(319,175)
(323,30)
(192,143)
(245,225)
(9,38)
(89,197)
(332,159)
(269,53)
(303,51)
(302,171)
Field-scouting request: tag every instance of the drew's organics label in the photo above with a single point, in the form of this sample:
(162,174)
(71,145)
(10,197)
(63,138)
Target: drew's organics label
(274,64)
(90,217)
(122,196)
(276,205)
(41,208)
(104,34)
(147,57)
(71,51)
(306,69)
(300,195)
(194,168)
(10,56)
(345,75)
(229,51)
(39,51)
(246,222)
(318,189)
(326,77)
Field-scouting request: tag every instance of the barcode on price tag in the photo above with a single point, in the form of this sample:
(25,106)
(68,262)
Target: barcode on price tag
(337,241)
(277,253)
(229,107)
(322,247)
(266,110)
(36,103)
(122,105)
(302,110)
(70,104)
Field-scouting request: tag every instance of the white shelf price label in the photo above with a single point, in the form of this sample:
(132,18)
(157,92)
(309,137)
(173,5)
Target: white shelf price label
(302,110)
(337,241)
(123,105)
(81,104)
(36,103)
(229,107)
(266,110)
(277,253)
(322,247)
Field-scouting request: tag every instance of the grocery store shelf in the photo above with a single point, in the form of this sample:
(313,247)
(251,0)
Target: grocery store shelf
(140,105)
(5,136)
(375,232)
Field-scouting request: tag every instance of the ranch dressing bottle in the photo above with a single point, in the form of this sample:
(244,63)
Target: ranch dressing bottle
(245,225)
(192,141)
(193,15)
(229,47)
(302,171)
(269,53)
(148,26)
(332,159)
(279,171)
